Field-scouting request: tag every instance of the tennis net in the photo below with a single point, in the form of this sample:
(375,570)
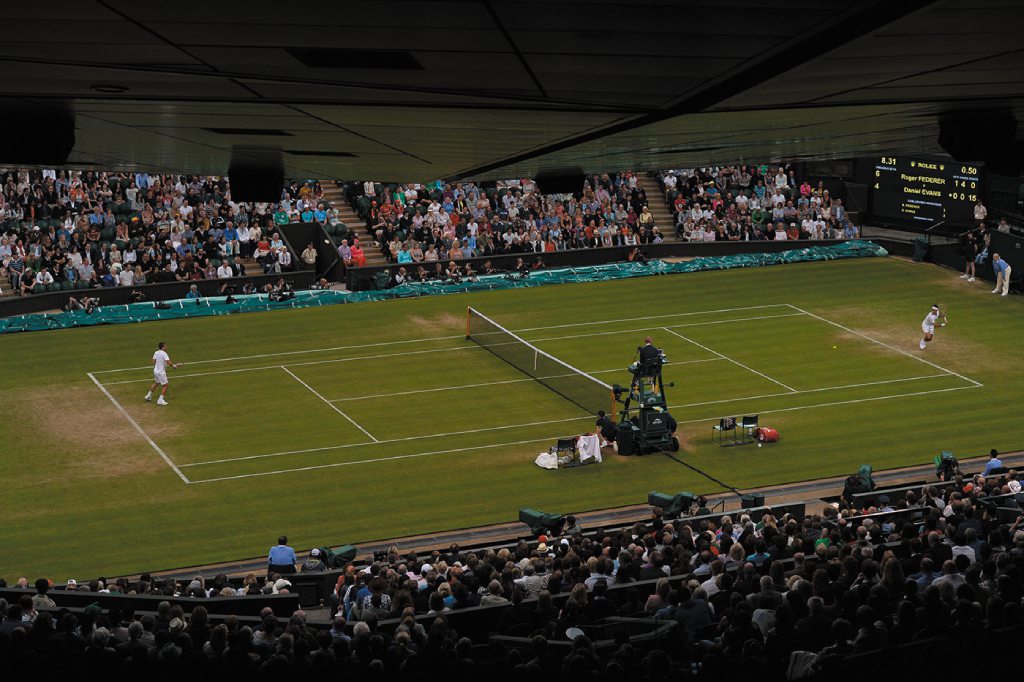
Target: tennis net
(576,386)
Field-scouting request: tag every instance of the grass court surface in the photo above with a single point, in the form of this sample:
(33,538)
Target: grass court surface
(368,421)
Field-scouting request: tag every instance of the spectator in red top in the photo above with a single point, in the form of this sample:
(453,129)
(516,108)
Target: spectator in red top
(358,257)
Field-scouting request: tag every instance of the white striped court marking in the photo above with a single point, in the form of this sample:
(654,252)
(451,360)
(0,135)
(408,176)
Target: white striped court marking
(841,402)
(331,405)
(294,352)
(430,350)
(671,326)
(886,345)
(807,390)
(389,441)
(555,421)
(138,428)
(371,461)
(653,317)
(443,338)
(735,362)
(304,364)
(500,383)
(538,440)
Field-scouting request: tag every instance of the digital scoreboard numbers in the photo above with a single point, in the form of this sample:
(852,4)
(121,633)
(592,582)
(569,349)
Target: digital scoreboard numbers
(925,191)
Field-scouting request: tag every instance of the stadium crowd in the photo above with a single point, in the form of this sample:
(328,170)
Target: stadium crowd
(751,202)
(415,224)
(63,230)
(453,221)
(755,596)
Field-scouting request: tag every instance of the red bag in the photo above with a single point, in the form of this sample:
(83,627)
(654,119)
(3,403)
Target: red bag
(766,434)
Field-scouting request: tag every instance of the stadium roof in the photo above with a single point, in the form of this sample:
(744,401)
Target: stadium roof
(412,90)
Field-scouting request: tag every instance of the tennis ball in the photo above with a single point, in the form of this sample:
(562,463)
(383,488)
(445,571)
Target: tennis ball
(834,347)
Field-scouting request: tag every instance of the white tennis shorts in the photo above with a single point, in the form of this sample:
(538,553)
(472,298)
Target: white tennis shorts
(160,378)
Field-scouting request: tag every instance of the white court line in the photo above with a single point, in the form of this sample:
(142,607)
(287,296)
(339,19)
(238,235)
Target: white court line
(541,423)
(538,440)
(371,461)
(409,352)
(886,345)
(138,428)
(673,326)
(841,402)
(388,441)
(653,317)
(500,383)
(331,405)
(455,336)
(806,390)
(294,352)
(304,364)
(735,362)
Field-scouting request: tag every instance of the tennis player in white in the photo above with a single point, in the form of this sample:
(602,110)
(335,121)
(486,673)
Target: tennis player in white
(928,325)
(160,361)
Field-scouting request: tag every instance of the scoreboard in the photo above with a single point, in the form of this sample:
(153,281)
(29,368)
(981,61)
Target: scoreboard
(922,190)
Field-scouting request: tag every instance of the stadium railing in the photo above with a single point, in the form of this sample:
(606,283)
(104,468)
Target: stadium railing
(477,622)
(314,588)
(282,604)
(160,291)
(358,279)
(603,635)
(895,495)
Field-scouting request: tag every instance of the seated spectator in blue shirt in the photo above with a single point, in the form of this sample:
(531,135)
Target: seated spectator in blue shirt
(282,558)
(993,463)
(307,215)
(320,215)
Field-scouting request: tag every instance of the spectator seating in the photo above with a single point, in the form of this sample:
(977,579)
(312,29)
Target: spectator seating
(750,203)
(756,591)
(72,230)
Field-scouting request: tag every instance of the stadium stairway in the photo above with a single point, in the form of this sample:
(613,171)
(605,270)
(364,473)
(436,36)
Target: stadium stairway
(658,206)
(333,193)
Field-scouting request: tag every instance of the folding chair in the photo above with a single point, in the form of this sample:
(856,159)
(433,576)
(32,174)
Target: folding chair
(748,424)
(724,425)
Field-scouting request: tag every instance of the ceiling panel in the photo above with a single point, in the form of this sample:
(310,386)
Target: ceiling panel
(508,88)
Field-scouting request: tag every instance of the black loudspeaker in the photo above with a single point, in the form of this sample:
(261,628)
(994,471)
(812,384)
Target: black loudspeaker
(37,137)
(561,182)
(752,500)
(626,440)
(256,175)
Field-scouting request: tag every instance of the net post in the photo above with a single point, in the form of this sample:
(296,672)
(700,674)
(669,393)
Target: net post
(469,310)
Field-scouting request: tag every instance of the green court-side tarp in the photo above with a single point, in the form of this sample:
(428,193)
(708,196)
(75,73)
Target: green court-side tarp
(144,312)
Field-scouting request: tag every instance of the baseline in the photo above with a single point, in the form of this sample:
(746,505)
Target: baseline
(886,345)
(131,420)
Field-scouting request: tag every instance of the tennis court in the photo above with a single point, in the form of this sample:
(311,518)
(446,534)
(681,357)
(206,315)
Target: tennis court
(411,398)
